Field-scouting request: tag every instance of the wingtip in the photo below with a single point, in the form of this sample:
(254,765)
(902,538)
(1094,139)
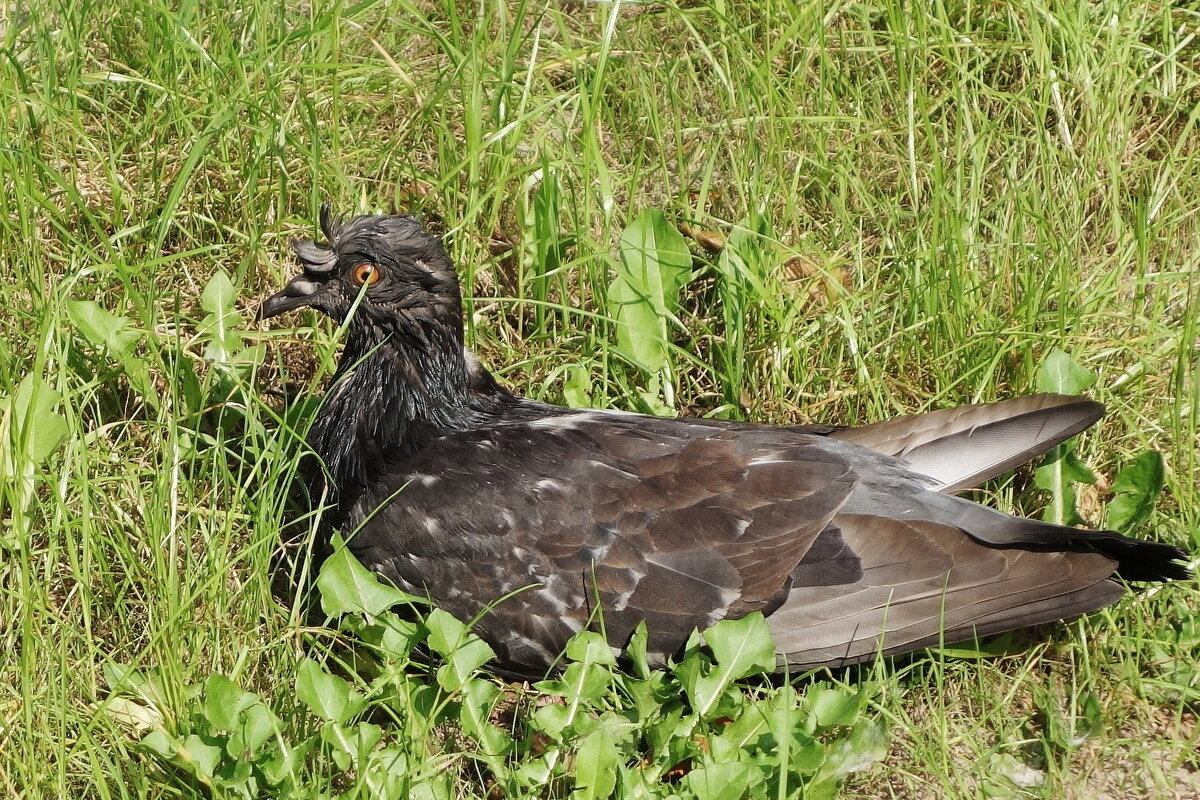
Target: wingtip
(961,447)
(1089,411)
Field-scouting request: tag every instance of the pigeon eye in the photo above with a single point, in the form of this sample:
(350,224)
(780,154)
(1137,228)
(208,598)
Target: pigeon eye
(365,274)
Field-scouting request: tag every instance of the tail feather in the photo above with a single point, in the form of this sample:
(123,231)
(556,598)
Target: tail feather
(1136,559)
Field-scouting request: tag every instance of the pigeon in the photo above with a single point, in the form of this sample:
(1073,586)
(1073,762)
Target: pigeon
(535,522)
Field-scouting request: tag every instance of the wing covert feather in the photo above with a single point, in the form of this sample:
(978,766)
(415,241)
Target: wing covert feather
(654,522)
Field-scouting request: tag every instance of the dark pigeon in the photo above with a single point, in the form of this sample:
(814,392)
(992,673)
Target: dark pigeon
(541,520)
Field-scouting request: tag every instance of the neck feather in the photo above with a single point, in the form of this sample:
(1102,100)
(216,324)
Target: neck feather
(395,390)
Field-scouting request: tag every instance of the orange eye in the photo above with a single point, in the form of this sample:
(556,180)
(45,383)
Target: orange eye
(365,273)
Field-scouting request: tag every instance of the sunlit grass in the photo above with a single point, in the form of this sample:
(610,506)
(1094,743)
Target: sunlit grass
(947,194)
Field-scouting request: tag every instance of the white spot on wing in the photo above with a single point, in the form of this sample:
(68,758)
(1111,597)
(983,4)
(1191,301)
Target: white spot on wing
(728,596)
(609,467)
(566,422)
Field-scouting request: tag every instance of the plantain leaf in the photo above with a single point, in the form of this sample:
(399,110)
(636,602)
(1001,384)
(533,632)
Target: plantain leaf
(596,766)
(1059,373)
(102,328)
(347,587)
(655,264)
(1062,468)
(35,427)
(1135,491)
(740,647)
(326,695)
(220,325)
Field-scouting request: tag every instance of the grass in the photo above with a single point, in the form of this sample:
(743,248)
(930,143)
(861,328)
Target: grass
(945,195)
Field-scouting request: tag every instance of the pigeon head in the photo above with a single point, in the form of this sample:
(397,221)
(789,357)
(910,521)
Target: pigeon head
(404,277)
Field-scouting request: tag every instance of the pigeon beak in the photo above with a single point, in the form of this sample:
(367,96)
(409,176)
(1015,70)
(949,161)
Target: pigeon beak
(299,292)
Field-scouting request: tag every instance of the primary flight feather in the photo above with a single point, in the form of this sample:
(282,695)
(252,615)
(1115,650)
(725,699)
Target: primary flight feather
(526,515)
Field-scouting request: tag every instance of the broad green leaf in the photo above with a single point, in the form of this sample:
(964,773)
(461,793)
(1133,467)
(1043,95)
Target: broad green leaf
(445,631)
(220,325)
(741,647)
(641,331)
(655,264)
(552,719)
(729,781)
(671,731)
(1057,475)
(46,428)
(471,654)
(762,720)
(159,742)
(288,763)
(199,756)
(866,745)
(393,761)
(35,428)
(328,696)
(347,587)
(479,698)
(49,431)
(1060,374)
(657,396)
(807,755)
(340,742)
(584,681)
(596,766)
(111,332)
(464,651)
(590,647)
(1135,491)
(538,771)
(589,682)
(136,717)
(250,356)
(831,705)
(102,328)
(237,775)
(438,786)
(577,387)
(124,679)
(395,637)
(257,725)
(219,294)
(637,650)
(350,746)
(368,735)
(224,700)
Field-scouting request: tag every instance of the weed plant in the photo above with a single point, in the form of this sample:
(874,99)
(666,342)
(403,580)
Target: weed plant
(773,210)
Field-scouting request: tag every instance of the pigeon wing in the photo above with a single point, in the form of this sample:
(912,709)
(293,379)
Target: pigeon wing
(963,447)
(924,583)
(542,528)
